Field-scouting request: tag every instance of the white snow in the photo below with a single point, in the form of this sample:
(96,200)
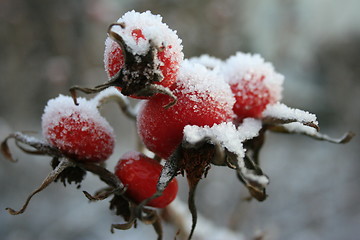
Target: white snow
(249,128)
(281,111)
(152,28)
(196,78)
(226,134)
(208,61)
(61,106)
(230,139)
(243,67)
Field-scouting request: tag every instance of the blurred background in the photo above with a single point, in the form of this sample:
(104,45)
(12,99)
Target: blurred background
(48,46)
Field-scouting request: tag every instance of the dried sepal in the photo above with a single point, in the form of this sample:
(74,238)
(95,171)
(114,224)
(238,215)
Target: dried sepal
(254,145)
(40,146)
(195,161)
(28,151)
(250,174)
(113,95)
(63,164)
(154,89)
(123,226)
(279,113)
(158,227)
(128,210)
(101,194)
(72,174)
(276,121)
(122,206)
(305,130)
(5,150)
(105,175)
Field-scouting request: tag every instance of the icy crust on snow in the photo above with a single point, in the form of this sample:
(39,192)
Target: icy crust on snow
(208,61)
(281,111)
(63,107)
(226,134)
(152,28)
(201,84)
(243,67)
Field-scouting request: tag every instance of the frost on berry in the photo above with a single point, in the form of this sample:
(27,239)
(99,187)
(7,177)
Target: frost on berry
(254,82)
(141,58)
(143,34)
(140,175)
(142,27)
(199,113)
(80,132)
(204,98)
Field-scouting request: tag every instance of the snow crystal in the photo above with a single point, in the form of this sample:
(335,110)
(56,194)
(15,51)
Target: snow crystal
(196,78)
(281,111)
(242,66)
(152,28)
(209,62)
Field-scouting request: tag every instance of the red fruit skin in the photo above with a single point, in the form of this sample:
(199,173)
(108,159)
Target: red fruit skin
(115,61)
(161,129)
(251,99)
(80,139)
(168,67)
(140,175)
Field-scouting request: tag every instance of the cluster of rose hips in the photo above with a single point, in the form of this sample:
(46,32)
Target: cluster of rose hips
(193,113)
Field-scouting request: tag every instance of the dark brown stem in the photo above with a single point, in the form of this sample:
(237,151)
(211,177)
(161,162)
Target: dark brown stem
(193,182)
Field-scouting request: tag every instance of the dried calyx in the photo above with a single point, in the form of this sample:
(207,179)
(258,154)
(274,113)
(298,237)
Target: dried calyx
(138,76)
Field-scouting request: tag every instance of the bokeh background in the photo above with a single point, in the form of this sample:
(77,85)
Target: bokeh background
(48,46)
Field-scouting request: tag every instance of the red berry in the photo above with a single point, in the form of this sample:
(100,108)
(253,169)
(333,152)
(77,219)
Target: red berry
(142,33)
(204,99)
(79,132)
(254,83)
(140,175)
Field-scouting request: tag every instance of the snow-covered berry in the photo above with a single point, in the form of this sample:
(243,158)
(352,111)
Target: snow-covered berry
(142,50)
(254,82)
(78,131)
(204,99)
(140,175)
